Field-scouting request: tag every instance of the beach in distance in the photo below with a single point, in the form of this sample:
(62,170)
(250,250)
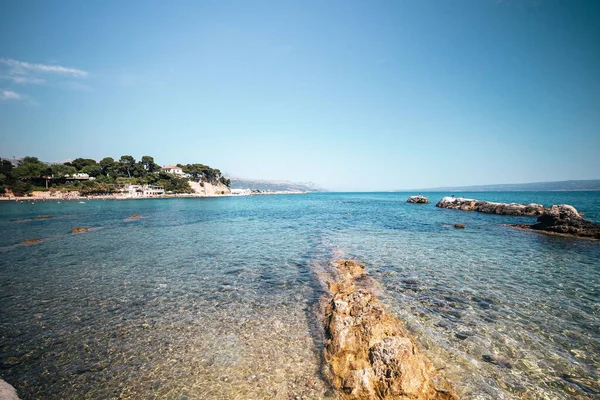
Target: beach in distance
(219,297)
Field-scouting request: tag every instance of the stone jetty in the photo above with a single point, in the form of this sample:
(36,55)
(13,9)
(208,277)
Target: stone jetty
(565,220)
(490,207)
(368,352)
(418,199)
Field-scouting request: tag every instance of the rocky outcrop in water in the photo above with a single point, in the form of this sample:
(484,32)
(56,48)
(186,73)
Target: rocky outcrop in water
(79,229)
(7,392)
(418,199)
(459,226)
(133,217)
(31,241)
(369,353)
(489,207)
(564,219)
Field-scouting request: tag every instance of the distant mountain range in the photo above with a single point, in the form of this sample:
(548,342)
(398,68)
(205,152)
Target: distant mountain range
(592,184)
(261,184)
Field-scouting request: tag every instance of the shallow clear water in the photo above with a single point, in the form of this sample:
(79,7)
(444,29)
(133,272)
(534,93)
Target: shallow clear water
(215,298)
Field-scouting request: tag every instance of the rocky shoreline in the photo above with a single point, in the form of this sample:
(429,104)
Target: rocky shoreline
(563,220)
(559,219)
(368,352)
(490,207)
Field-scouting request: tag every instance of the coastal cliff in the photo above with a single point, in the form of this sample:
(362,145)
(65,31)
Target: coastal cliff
(368,352)
(490,207)
(209,189)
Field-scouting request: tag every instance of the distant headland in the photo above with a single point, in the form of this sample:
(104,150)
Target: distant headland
(125,177)
(591,184)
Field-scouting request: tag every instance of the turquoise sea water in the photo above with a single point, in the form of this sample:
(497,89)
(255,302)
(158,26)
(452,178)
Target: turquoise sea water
(216,298)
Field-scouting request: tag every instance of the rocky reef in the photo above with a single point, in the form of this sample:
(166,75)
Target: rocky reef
(79,229)
(133,217)
(368,352)
(31,241)
(489,207)
(565,220)
(418,199)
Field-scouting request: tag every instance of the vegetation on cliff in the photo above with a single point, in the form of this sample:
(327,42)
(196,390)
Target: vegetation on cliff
(32,174)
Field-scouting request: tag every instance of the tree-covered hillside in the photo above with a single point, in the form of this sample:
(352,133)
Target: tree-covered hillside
(32,174)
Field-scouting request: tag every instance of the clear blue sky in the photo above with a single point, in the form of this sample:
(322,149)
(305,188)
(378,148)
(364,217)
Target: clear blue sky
(367,95)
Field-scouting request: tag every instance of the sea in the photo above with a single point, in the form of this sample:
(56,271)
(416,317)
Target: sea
(217,298)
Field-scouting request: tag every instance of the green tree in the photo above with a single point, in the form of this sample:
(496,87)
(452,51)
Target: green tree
(6,168)
(62,170)
(107,164)
(126,165)
(195,170)
(19,188)
(149,164)
(202,173)
(81,163)
(92,170)
(225,181)
(173,183)
(31,168)
(30,160)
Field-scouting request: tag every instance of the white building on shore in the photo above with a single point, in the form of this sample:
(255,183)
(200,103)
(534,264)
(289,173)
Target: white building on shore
(172,169)
(175,170)
(140,190)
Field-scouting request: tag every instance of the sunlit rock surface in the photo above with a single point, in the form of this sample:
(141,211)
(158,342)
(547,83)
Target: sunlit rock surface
(7,392)
(418,199)
(368,352)
(489,207)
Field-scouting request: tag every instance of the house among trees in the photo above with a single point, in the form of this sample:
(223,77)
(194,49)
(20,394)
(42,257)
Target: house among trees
(172,169)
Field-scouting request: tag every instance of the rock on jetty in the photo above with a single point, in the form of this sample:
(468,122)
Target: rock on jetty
(418,199)
(369,353)
(489,207)
(564,219)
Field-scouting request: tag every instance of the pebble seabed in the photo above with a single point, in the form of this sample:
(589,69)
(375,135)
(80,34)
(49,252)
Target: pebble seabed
(225,303)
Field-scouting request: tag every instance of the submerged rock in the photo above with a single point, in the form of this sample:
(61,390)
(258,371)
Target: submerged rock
(31,241)
(418,199)
(133,217)
(369,353)
(43,217)
(564,219)
(489,207)
(496,361)
(7,392)
(79,229)
(459,226)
